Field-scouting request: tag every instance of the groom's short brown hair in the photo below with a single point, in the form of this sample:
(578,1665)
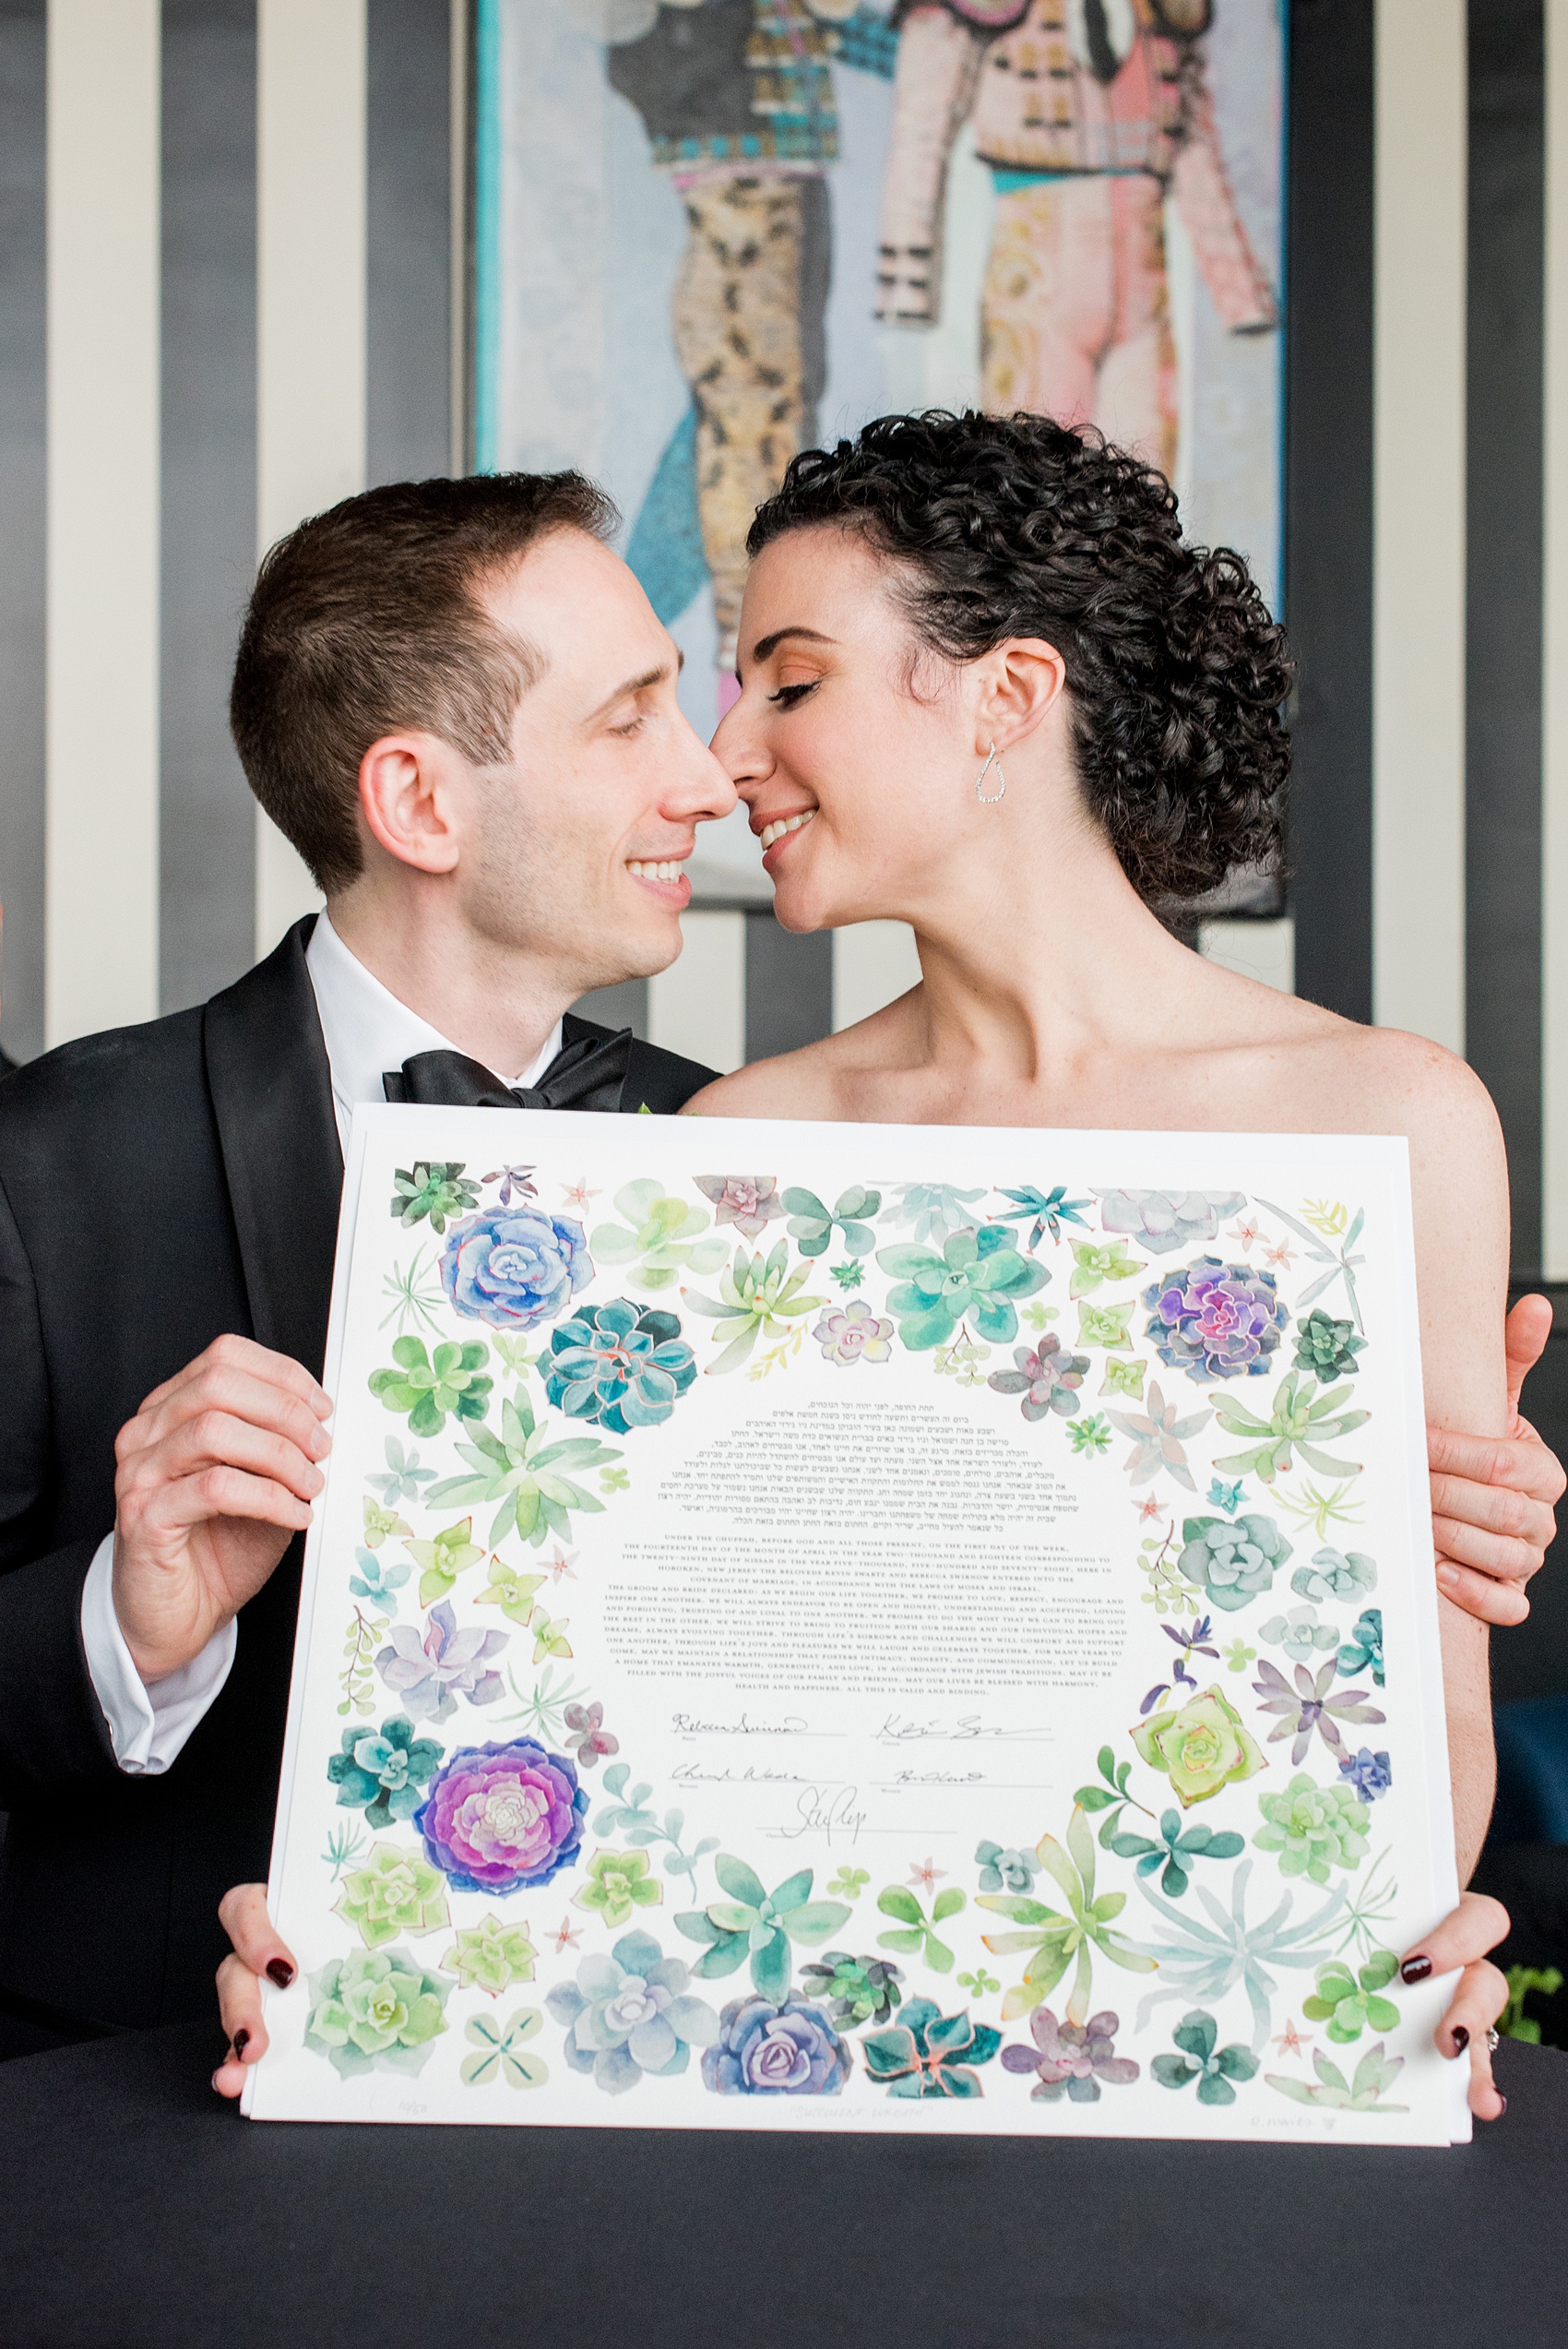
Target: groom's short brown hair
(366,620)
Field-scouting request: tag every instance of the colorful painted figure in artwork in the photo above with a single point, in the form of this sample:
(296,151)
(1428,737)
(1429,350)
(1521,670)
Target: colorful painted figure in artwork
(737,97)
(1090,112)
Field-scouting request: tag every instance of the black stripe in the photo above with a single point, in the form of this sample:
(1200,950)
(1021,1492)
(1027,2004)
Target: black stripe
(1503,663)
(22,525)
(207,828)
(788,986)
(623,1006)
(1328,496)
(409,233)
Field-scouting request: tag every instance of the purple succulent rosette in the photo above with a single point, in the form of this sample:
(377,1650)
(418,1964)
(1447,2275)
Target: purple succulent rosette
(763,2050)
(1071,2058)
(1215,1320)
(501,1817)
(514,1267)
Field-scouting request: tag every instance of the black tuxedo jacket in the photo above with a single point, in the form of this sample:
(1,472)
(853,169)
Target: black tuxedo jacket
(158,1185)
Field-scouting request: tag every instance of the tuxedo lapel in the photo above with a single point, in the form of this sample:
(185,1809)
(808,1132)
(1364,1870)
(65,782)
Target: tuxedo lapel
(272,1097)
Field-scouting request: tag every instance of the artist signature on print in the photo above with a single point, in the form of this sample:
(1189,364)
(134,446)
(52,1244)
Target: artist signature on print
(898,1728)
(822,1812)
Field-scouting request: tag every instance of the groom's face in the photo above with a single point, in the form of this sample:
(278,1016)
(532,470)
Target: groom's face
(577,846)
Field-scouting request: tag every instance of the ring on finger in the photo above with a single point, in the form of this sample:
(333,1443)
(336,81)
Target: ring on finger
(1491,2039)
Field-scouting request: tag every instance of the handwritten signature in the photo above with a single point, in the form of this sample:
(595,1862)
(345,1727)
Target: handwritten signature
(695,1774)
(824,1813)
(900,1729)
(686,1724)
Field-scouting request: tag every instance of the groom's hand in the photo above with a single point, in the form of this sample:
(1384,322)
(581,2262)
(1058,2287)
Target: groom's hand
(1494,1498)
(216,1474)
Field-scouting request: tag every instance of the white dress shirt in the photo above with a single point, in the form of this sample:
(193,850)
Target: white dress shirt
(367,1031)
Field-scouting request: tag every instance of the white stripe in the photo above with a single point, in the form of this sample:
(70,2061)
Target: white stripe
(1418,521)
(309,312)
(873,963)
(101,672)
(1554,807)
(698,1006)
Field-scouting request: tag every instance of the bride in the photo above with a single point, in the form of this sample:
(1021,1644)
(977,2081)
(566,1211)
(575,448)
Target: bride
(988,690)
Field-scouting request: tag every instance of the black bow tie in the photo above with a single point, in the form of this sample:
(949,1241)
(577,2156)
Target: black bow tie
(588,1074)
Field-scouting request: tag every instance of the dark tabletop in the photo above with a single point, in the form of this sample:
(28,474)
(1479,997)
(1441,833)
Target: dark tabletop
(136,2212)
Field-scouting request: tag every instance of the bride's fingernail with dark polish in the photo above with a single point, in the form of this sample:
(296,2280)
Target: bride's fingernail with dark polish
(1415,1970)
(280,1972)
(242,2040)
(1461,2038)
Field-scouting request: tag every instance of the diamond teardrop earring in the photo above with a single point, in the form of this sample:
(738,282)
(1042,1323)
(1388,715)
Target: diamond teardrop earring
(989,799)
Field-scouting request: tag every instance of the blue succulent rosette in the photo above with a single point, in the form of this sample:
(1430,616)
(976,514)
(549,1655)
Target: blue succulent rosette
(623,1365)
(514,1267)
(788,2049)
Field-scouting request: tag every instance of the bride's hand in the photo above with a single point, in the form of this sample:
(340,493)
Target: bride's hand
(1463,1939)
(1494,1498)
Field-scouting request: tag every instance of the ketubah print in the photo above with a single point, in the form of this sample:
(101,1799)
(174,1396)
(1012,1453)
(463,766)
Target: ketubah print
(734,1690)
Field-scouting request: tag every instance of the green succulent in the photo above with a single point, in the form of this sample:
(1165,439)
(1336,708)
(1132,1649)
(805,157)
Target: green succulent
(980,1277)
(502,2053)
(375,2007)
(811,1223)
(1215,2068)
(661,1237)
(1092,1266)
(489,1955)
(1313,1828)
(432,1188)
(1055,1941)
(618,1885)
(1326,1348)
(857,1990)
(427,1387)
(524,1471)
(1375,2074)
(757,1295)
(760,1925)
(394,1892)
(1349,2003)
(914,1933)
(443,1559)
(1302,1420)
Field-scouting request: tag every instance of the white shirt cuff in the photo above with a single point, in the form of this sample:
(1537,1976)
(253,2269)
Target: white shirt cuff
(148,1727)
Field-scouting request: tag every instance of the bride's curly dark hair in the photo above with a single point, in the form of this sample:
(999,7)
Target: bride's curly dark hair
(1015,526)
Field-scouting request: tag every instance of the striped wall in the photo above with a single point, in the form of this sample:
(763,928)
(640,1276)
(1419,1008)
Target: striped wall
(234,286)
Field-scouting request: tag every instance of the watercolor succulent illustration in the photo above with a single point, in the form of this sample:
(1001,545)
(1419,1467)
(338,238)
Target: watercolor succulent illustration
(914,1933)
(432,1188)
(1056,1940)
(852,1334)
(1070,2059)
(1362,1651)
(811,1223)
(1300,1634)
(1106,1325)
(514,1267)
(1205,1955)
(1094,1263)
(376,2008)
(394,1892)
(1374,2076)
(750,1202)
(1326,1348)
(758,1297)
(927,2053)
(622,1365)
(1329,1227)
(428,1675)
(1046,1377)
(1350,2003)
(1176,1849)
(979,1276)
(588,1739)
(1049,1209)
(490,1956)
(401,1479)
(378,1578)
(1216,2070)
(1301,1422)
(1309,1705)
(619,1883)
(1195,1640)
(783,2047)
(383,1770)
(1202,1746)
(1342,1575)
(1009,1871)
(1312,1827)
(934,1210)
(501,1817)
(427,1387)
(503,2051)
(1369,1774)
(632,2013)
(524,1469)
(756,1924)
(1111,1798)
(660,1237)
(1089,1438)
(443,1559)
(1232,1561)
(1159,1439)
(855,1990)
(1163,1222)
(1214,1320)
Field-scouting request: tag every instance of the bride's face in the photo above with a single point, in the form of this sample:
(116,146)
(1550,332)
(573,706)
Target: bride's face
(845,734)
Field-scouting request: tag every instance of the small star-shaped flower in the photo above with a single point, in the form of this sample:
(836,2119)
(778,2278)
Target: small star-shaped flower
(1149,1509)
(561,1564)
(923,1875)
(577,1195)
(1289,2042)
(1280,1258)
(567,1935)
(1246,1233)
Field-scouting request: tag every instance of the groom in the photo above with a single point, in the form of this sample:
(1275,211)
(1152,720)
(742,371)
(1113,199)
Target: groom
(457,704)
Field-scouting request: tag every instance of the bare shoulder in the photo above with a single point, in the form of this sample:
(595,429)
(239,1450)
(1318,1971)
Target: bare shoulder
(824,1079)
(1389,1081)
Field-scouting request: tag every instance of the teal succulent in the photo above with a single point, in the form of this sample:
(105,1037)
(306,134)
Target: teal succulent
(1326,1348)
(811,1223)
(979,1276)
(1215,2068)
(930,2054)
(759,1925)
(1233,1561)
(384,1770)
(857,1990)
